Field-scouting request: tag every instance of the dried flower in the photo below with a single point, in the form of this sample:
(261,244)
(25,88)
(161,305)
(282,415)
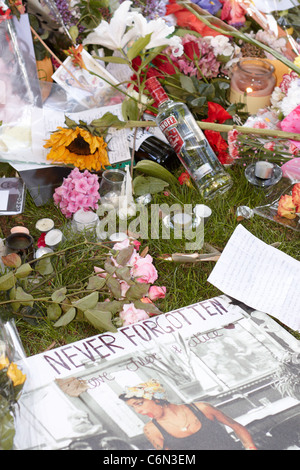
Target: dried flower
(286,207)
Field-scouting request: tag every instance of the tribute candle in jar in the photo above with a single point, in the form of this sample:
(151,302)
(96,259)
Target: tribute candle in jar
(20,243)
(252,83)
(53,238)
(44,225)
(85,220)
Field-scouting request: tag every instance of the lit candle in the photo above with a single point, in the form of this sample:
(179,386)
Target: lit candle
(44,225)
(85,220)
(53,238)
(19,229)
(252,83)
(264,170)
(182,219)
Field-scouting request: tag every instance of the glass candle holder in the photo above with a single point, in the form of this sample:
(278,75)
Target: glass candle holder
(110,187)
(20,243)
(252,83)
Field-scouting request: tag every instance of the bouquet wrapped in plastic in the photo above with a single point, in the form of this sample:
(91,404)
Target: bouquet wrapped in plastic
(12,380)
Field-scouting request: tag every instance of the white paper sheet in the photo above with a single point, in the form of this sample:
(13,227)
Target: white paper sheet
(4,200)
(261,276)
(267,6)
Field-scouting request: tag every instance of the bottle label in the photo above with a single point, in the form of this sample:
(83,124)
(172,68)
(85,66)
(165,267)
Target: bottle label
(140,136)
(202,171)
(167,126)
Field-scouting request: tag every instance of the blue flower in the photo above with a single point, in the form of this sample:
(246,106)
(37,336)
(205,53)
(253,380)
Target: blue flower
(212,6)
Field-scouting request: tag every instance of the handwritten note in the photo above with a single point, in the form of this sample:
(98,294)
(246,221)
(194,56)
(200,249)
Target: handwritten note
(261,276)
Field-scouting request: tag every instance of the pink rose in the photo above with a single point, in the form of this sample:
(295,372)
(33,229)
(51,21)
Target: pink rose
(291,123)
(131,315)
(156,292)
(144,271)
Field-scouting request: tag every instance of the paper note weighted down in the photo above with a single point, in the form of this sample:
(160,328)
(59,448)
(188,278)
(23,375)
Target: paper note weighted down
(259,275)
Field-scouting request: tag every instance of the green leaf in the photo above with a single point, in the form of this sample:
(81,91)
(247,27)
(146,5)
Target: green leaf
(100,320)
(70,123)
(130,110)
(124,255)
(187,84)
(66,318)
(24,298)
(108,120)
(12,296)
(114,306)
(87,302)
(112,59)
(23,271)
(150,308)
(44,266)
(124,274)
(96,283)
(114,286)
(73,30)
(59,295)
(148,184)
(137,291)
(138,46)
(53,312)
(7,281)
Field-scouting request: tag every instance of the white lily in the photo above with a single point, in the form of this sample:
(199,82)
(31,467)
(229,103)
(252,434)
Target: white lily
(158,27)
(113,35)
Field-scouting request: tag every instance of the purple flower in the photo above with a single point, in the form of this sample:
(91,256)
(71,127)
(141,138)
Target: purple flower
(212,6)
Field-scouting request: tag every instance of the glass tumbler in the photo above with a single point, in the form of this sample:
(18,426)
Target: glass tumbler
(111,186)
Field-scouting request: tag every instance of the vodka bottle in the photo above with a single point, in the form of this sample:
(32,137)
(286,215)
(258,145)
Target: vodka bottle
(150,147)
(190,144)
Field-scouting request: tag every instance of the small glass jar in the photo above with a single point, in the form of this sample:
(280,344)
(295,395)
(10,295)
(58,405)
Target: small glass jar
(111,186)
(252,83)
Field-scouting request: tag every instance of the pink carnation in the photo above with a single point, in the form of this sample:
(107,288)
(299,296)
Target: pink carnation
(131,315)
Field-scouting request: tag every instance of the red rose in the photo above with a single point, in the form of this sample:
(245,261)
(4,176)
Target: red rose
(296,195)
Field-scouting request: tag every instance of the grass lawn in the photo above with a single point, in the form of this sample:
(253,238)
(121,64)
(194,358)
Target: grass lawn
(185,283)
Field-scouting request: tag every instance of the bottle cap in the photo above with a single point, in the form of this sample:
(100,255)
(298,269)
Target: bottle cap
(156,90)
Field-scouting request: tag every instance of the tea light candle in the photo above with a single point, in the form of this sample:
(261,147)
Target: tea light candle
(53,238)
(84,220)
(182,219)
(44,225)
(263,170)
(252,83)
(202,211)
(19,229)
(44,250)
(118,237)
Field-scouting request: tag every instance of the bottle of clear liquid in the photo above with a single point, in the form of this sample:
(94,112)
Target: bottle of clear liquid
(190,144)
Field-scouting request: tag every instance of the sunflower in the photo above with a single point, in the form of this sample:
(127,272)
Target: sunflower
(78,147)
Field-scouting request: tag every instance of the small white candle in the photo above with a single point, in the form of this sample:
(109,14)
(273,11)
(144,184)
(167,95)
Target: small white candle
(182,219)
(202,211)
(85,219)
(53,238)
(118,237)
(263,170)
(19,229)
(44,225)
(44,250)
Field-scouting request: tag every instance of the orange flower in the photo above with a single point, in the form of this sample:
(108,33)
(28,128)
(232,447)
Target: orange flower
(296,196)
(75,53)
(286,207)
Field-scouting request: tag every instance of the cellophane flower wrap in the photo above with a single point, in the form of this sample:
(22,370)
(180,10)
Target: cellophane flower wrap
(12,380)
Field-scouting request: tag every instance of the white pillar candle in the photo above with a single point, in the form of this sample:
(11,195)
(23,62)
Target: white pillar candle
(53,238)
(263,170)
(44,225)
(182,219)
(85,220)
(118,237)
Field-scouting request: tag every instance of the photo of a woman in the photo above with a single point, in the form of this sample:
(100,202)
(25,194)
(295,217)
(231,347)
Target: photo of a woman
(195,426)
